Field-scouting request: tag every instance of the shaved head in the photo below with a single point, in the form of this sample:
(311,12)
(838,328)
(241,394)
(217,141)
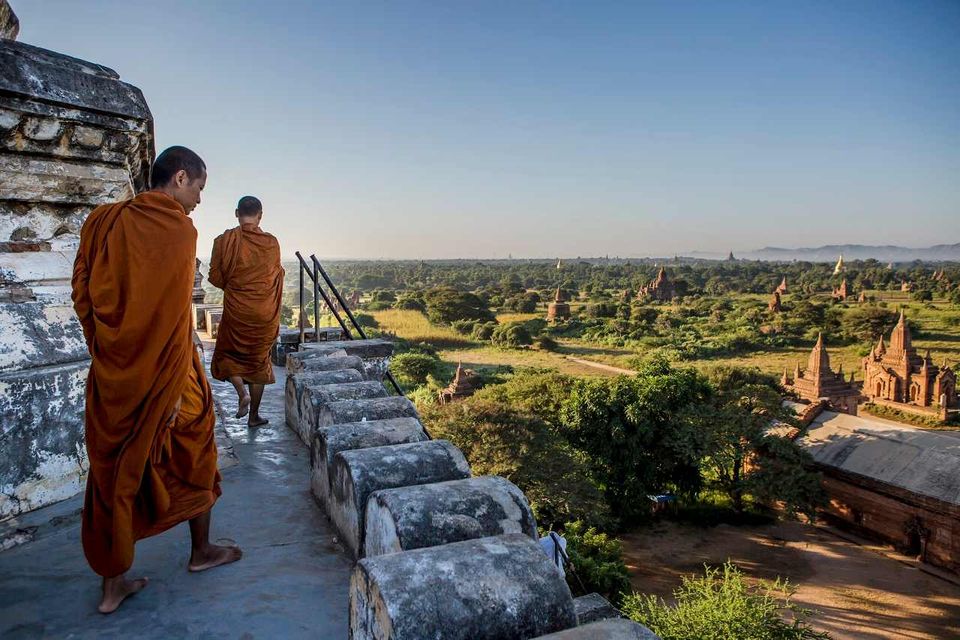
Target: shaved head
(249,207)
(172,161)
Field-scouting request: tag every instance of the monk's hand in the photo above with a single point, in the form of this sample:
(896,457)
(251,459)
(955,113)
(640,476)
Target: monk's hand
(175,412)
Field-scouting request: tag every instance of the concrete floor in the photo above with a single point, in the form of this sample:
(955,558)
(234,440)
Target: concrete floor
(291,583)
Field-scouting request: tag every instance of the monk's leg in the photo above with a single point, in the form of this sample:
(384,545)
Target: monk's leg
(256,394)
(242,396)
(204,555)
(117,589)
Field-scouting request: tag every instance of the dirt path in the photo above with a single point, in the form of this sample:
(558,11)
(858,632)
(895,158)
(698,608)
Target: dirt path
(858,594)
(603,367)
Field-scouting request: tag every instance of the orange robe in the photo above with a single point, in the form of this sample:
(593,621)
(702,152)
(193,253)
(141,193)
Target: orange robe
(132,288)
(246,265)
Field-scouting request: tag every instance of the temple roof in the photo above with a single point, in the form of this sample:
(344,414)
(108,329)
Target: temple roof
(922,462)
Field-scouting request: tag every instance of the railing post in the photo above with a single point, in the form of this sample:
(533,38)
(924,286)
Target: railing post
(300,315)
(316,308)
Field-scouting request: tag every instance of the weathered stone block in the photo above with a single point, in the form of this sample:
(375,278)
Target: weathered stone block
(371,348)
(317,361)
(330,441)
(314,397)
(593,607)
(41,129)
(42,457)
(213,316)
(485,589)
(87,137)
(365,410)
(356,474)
(430,515)
(294,386)
(605,630)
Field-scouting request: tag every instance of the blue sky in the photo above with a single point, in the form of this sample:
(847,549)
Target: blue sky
(482,129)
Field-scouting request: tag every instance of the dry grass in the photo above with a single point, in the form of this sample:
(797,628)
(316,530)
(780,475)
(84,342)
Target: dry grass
(414,326)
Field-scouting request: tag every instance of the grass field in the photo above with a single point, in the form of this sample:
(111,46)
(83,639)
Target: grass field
(939,331)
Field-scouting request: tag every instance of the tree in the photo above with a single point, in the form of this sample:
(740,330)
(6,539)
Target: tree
(866,324)
(639,432)
(742,458)
(447,305)
(722,605)
(500,440)
(511,335)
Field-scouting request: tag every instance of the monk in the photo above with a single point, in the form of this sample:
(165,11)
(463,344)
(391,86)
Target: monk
(246,265)
(149,411)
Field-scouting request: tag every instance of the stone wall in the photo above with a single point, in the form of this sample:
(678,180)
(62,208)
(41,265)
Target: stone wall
(72,136)
(440,553)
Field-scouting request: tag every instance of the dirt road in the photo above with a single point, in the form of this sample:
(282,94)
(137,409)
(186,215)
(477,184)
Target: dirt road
(858,594)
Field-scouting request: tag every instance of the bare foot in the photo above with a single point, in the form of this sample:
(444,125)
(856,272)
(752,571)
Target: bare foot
(118,589)
(257,421)
(244,406)
(213,556)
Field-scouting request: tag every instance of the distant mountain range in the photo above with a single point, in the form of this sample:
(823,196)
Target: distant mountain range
(830,253)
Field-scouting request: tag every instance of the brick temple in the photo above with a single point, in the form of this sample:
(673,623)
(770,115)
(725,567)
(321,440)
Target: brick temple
(660,288)
(559,309)
(819,382)
(900,377)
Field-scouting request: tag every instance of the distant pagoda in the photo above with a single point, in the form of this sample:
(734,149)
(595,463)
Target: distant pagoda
(465,383)
(559,309)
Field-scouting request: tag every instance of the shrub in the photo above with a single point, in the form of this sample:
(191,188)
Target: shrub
(412,369)
(598,561)
(546,343)
(511,335)
(483,330)
(447,305)
(721,605)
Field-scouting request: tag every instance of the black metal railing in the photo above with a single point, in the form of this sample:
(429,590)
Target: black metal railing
(316,271)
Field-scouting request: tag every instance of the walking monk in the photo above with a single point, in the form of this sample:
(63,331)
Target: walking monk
(246,265)
(149,411)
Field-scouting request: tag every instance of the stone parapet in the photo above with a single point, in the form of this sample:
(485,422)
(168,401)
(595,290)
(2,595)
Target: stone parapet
(296,382)
(356,474)
(365,410)
(593,607)
(330,441)
(605,630)
(489,588)
(316,397)
(429,515)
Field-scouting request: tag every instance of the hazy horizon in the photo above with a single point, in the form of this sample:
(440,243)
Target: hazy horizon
(433,130)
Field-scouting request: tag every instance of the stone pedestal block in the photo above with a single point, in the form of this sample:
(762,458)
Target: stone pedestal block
(371,348)
(593,607)
(317,361)
(315,397)
(365,410)
(295,383)
(605,630)
(356,474)
(485,589)
(330,441)
(434,514)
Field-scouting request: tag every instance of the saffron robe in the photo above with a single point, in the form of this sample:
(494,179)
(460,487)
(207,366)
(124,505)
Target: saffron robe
(132,288)
(246,265)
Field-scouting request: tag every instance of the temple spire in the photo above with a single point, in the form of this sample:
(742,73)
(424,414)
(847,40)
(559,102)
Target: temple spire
(819,361)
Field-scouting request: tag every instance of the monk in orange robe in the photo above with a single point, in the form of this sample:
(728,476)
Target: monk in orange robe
(149,410)
(246,265)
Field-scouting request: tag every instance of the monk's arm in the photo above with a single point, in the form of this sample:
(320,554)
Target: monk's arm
(81,297)
(216,270)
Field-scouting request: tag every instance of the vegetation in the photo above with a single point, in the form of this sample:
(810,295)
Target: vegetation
(721,605)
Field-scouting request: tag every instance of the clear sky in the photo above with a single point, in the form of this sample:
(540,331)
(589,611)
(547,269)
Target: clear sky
(481,129)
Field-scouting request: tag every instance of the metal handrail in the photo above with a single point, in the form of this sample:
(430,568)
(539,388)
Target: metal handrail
(346,309)
(318,270)
(317,291)
(559,554)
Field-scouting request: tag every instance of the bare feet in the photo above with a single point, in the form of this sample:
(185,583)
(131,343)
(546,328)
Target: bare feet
(118,589)
(213,556)
(244,406)
(256,421)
